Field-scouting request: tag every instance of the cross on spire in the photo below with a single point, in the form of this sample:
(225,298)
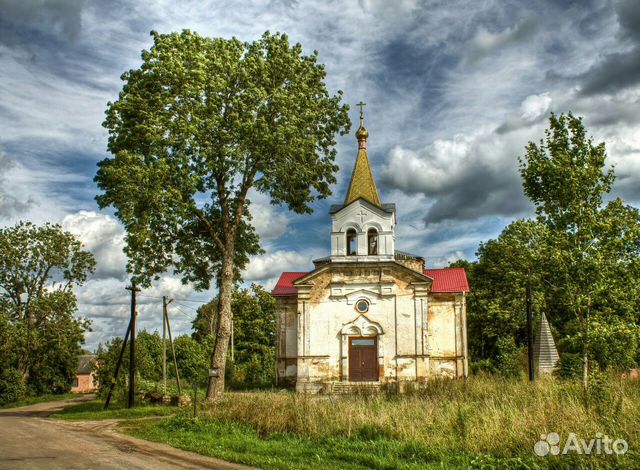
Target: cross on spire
(361,105)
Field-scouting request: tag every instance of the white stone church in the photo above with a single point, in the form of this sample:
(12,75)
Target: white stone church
(369,314)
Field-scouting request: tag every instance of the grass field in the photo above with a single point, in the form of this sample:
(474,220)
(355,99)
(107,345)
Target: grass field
(485,422)
(39,399)
(93,410)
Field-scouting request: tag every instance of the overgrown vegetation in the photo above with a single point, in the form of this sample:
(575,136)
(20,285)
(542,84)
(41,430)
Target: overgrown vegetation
(484,422)
(254,327)
(40,337)
(581,257)
(252,365)
(192,359)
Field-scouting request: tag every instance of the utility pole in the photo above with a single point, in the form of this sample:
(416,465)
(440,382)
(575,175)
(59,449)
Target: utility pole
(164,346)
(114,379)
(173,351)
(132,346)
(530,329)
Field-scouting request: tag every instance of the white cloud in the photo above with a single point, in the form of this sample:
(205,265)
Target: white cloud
(104,237)
(535,106)
(270,222)
(271,265)
(433,169)
(106,303)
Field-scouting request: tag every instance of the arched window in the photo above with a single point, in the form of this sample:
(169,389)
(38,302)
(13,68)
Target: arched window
(352,242)
(372,241)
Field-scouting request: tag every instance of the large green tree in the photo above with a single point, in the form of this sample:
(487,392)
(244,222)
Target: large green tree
(39,266)
(581,256)
(566,177)
(499,278)
(197,126)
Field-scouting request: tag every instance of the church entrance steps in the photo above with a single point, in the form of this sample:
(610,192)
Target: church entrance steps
(353,388)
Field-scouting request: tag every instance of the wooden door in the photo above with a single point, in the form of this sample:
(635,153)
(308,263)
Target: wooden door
(363,359)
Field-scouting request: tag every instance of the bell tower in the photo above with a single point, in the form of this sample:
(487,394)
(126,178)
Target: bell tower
(362,229)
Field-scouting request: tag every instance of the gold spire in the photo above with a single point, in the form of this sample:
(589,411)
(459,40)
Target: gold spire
(362,184)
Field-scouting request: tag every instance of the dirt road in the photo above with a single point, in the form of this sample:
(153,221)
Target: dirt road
(29,440)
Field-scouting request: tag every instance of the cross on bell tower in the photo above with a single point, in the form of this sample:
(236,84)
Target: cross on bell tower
(361,105)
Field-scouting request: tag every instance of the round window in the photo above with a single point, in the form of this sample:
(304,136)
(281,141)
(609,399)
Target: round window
(362,306)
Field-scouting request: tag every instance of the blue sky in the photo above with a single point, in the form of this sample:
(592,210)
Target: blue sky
(454,91)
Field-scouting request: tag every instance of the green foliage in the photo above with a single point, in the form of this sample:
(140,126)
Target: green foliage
(611,341)
(581,258)
(254,314)
(569,366)
(496,303)
(12,388)
(149,355)
(590,247)
(198,124)
(40,337)
(564,176)
(254,317)
(483,365)
(508,360)
(204,326)
(192,359)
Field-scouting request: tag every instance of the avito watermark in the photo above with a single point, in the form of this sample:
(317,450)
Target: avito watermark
(601,444)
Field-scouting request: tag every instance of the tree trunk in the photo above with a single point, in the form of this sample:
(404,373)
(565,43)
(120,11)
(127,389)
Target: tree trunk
(585,369)
(585,343)
(215,388)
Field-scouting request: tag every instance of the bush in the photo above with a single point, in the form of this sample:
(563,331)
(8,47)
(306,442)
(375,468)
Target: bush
(483,366)
(508,361)
(256,372)
(569,366)
(11,386)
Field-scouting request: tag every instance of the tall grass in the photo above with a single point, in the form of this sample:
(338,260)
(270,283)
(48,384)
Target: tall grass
(484,416)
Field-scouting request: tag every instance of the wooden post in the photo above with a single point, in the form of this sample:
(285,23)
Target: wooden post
(164,346)
(132,347)
(114,379)
(195,400)
(173,351)
(530,330)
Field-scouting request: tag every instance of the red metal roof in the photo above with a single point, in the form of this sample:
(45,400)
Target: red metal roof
(444,280)
(284,286)
(448,280)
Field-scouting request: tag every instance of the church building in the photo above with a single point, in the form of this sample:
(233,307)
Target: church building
(369,314)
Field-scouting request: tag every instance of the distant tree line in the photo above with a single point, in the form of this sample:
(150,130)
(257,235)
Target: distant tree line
(580,256)
(253,349)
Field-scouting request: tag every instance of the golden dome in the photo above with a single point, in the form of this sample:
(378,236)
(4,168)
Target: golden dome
(362,133)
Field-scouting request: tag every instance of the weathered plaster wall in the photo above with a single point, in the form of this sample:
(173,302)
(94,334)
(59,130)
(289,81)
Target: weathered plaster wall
(287,339)
(422,333)
(85,383)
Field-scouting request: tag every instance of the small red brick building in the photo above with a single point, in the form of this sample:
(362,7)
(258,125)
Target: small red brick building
(85,376)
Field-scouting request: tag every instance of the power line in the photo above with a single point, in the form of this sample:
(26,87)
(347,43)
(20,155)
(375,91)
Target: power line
(150,296)
(187,306)
(181,300)
(195,301)
(185,314)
